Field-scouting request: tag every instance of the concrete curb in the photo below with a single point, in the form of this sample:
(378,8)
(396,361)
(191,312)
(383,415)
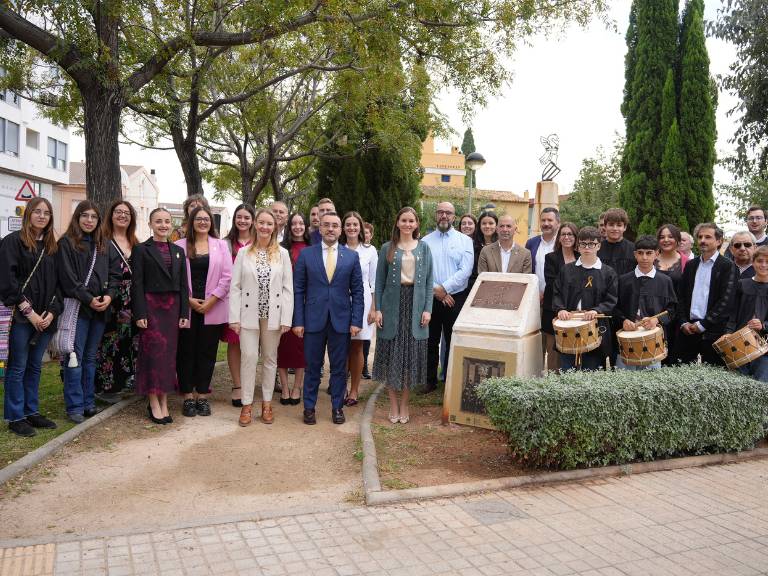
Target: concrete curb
(371,481)
(375,496)
(46,450)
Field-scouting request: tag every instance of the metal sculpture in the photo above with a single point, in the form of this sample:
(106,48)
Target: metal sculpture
(548,160)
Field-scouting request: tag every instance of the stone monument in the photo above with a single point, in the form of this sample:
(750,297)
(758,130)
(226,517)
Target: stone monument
(497,333)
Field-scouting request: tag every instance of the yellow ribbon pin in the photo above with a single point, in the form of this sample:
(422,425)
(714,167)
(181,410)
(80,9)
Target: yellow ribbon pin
(589,282)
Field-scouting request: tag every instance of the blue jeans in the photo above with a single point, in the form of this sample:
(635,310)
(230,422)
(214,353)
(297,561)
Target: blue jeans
(22,376)
(758,369)
(79,382)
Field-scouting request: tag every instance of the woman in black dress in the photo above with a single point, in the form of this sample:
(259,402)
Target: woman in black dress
(563,253)
(159,295)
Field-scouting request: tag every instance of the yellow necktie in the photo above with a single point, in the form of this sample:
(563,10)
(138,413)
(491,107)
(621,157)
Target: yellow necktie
(330,263)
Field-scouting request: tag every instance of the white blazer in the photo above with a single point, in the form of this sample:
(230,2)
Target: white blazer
(244,292)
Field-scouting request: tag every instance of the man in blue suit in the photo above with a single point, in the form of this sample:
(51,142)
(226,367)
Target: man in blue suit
(328,308)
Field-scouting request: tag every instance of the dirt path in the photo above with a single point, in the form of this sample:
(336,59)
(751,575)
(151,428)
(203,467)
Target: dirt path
(129,474)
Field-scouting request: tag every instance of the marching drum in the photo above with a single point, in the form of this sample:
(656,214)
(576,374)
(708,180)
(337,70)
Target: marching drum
(741,347)
(576,336)
(642,347)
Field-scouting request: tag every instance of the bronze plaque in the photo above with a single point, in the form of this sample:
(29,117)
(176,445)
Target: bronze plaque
(499,295)
(475,370)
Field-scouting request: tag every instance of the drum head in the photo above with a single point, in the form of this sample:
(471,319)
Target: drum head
(569,323)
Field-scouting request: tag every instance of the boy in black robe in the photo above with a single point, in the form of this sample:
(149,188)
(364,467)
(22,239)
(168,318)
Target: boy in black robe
(644,293)
(616,251)
(751,310)
(589,286)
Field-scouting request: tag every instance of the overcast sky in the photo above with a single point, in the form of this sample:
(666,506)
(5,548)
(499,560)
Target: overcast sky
(570,84)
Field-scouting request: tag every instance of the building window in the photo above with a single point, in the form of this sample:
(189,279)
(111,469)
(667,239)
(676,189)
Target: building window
(33,139)
(57,155)
(9,137)
(445,177)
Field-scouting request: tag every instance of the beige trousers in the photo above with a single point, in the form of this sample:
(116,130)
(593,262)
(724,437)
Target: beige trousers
(553,356)
(255,343)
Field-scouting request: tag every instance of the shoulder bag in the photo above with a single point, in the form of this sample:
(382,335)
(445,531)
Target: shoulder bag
(63,341)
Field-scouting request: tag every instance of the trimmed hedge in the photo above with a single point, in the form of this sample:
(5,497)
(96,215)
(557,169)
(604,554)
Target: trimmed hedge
(583,419)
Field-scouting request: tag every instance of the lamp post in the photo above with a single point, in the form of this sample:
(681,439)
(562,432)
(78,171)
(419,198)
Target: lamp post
(474,161)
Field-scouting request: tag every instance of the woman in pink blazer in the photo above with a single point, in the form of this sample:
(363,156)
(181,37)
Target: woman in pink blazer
(209,272)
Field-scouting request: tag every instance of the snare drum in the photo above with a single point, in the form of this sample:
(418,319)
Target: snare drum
(642,347)
(741,347)
(576,336)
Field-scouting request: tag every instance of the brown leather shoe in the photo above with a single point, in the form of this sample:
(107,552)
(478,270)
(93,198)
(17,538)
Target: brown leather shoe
(246,415)
(266,413)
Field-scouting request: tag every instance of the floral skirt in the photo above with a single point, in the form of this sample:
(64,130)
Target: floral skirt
(156,365)
(402,361)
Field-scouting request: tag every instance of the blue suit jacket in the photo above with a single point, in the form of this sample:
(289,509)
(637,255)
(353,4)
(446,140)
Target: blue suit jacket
(533,245)
(315,299)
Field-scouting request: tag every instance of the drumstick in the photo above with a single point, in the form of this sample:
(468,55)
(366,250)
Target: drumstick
(579,315)
(660,314)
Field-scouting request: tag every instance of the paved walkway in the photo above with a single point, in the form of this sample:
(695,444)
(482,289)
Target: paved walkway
(697,521)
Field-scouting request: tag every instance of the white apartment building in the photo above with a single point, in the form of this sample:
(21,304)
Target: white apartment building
(33,157)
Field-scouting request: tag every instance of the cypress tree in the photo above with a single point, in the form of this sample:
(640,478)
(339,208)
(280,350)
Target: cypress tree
(467,147)
(674,180)
(696,108)
(651,42)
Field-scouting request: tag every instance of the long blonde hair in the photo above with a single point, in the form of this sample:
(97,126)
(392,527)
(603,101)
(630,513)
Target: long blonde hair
(273,248)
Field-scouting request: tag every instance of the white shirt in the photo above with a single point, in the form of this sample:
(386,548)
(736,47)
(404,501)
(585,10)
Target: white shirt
(544,249)
(335,246)
(281,234)
(505,254)
(598,265)
(700,295)
(639,274)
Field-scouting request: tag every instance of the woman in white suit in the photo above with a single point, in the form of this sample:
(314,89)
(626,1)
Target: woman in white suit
(260,311)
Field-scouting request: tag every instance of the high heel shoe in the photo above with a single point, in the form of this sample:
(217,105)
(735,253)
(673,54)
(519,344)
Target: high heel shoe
(152,416)
(404,419)
(394,419)
(285,401)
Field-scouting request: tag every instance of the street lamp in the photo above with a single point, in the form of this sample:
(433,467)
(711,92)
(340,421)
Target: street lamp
(474,161)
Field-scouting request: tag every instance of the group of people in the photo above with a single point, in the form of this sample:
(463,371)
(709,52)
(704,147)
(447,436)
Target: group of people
(655,281)
(285,290)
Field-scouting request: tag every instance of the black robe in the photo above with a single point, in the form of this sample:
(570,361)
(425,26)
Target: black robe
(648,295)
(751,302)
(618,255)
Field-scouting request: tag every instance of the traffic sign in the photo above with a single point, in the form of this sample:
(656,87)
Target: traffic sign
(26,192)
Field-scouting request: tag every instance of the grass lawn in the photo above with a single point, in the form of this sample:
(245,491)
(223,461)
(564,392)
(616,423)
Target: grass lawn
(13,447)
(221,353)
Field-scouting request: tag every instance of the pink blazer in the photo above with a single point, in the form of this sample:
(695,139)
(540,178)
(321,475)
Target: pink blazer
(217,282)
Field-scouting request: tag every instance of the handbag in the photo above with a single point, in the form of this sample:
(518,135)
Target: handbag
(63,341)
(6,320)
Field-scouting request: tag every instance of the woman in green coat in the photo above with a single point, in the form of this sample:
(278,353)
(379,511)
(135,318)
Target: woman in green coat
(404,308)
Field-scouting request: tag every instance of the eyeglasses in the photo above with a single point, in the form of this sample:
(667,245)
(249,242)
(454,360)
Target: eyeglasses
(755,218)
(445,213)
(589,244)
(41,212)
(89,216)
(333,225)
(738,245)
(567,235)
(121,213)
(203,220)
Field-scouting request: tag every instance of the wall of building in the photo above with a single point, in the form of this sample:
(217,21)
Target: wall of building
(24,157)
(439,168)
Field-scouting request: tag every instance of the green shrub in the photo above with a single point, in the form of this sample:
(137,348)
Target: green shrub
(582,419)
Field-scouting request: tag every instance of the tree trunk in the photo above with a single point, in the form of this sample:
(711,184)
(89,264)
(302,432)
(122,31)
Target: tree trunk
(190,165)
(102,107)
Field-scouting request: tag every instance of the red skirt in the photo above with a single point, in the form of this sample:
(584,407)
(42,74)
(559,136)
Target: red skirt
(290,353)
(156,362)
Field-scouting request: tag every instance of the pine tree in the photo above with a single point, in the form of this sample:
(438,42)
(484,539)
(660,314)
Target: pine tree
(651,42)
(696,111)
(467,147)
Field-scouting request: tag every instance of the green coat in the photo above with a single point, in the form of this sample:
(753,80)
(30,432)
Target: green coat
(388,291)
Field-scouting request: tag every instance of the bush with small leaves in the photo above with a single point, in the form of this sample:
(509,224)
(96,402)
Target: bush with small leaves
(583,419)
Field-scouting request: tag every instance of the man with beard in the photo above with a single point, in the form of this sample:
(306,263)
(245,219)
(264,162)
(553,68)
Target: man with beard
(707,296)
(452,260)
(540,246)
